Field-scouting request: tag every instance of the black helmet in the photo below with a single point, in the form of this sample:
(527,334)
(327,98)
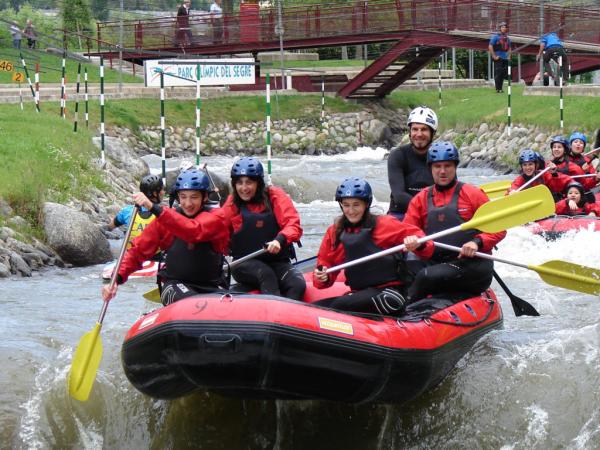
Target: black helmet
(576,185)
(151,184)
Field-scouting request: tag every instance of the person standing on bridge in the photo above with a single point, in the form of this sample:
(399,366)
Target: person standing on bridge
(184,33)
(216,17)
(552,48)
(500,50)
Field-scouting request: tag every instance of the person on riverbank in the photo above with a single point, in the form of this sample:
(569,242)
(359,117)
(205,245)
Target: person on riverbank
(152,187)
(15,33)
(263,216)
(447,204)
(407,167)
(551,47)
(192,266)
(575,202)
(500,51)
(30,34)
(378,285)
(531,164)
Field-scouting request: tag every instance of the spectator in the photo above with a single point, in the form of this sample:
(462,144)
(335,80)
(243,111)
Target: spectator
(216,17)
(15,32)
(499,48)
(552,48)
(184,33)
(29,33)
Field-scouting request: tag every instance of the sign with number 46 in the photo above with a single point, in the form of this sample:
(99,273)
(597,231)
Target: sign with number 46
(6,66)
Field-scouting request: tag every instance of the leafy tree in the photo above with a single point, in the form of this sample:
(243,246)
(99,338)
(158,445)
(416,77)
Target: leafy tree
(76,16)
(100,9)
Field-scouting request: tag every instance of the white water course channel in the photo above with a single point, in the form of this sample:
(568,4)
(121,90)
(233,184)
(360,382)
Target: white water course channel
(535,384)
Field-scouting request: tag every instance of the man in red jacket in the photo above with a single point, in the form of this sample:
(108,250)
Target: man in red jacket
(447,204)
(193,265)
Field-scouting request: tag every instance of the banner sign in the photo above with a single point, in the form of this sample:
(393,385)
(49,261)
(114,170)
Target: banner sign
(213,72)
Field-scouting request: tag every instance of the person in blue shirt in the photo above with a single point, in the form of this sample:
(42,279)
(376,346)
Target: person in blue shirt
(552,48)
(499,48)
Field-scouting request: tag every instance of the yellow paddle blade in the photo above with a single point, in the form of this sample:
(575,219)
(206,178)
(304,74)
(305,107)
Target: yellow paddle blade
(152,295)
(496,189)
(570,276)
(85,364)
(512,210)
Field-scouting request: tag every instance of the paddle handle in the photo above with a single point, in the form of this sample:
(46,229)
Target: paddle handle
(391,250)
(113,277)
(533,179)
(215,188)
(481,255)
(584,176)
(247,257)
(591,151)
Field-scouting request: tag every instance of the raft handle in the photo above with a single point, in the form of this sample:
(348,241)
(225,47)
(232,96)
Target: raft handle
(220,342)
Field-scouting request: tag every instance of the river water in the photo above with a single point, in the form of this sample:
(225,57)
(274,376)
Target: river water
(535,384)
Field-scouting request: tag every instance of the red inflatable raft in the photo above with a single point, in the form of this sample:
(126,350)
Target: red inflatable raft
(554,227)
(259,346)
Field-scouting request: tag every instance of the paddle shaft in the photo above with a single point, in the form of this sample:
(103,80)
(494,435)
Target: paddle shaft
(591,151)
(232,264)
(113,277)
(215,188)
(533,179)
(584,176)
(482,255)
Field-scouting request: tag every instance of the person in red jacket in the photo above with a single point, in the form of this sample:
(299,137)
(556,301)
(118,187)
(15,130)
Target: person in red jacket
(193,265)
(377,285)
(575,203)
(447,204)
(263,216)
(530,162)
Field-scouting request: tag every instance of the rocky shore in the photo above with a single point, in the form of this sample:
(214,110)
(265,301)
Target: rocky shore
(76,233)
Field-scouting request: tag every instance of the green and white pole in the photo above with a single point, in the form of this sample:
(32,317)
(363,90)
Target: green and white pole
(102,108)
(163,153)
(37,105)
(37,85)
(268,124)
(86,98)
(440,81)
(77,98)
(198,105)
(508,110)
(20,96)
(62,88)
(322,100)
(560,83)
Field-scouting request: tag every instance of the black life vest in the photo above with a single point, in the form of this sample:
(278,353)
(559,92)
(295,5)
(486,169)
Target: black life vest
(256,230)
(372,273)
(196,263)
(417,175)
(502,44)
(441,218)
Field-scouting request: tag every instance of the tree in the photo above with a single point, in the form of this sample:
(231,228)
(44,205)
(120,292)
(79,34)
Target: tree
(76,16)
(100,9)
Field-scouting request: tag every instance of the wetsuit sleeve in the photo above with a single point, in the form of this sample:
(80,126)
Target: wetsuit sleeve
(390,232)
(474,196)
(395,165)
(286,215)
(416,213)
(556,181)
(562,207)
(329,256)
(144,247)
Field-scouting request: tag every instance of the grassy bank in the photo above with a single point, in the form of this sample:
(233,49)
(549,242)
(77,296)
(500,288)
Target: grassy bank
(51,68)
(469,107)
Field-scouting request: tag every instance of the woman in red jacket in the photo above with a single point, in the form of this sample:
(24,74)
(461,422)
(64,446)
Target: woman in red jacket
(263,216)
(530,161)
(575,203)
(377,285)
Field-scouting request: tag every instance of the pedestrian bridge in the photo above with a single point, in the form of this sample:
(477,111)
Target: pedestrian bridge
(418,30)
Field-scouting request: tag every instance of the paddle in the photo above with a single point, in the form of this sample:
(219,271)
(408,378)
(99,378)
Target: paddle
(496,189)
(154,294)
(533,179)
(89,351)
(591,151)
(557,273)
(520,306)
(491,217)
(584,176)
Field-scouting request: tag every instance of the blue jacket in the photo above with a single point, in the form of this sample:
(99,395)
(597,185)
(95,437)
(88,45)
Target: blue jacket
(501,45)
(550,40)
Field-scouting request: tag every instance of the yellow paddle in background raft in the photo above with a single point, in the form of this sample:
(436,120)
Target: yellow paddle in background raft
(491,217)
(496,189)
(89,351)
(557,273)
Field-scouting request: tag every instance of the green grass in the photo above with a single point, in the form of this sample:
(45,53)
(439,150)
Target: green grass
(463,108)
(51,68)
(41,159)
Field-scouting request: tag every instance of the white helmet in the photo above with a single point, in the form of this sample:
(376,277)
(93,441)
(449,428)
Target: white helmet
(424,115)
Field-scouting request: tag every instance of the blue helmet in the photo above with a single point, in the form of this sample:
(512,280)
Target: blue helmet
(527,155)
(193,180)
(561,140)
(578,135)
(354,188)
(442,151)
(247,167)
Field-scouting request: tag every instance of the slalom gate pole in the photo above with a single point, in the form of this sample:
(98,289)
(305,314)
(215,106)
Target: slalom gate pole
(37,83)
(268,125)
(86,98)
(77,97)
(322,101)
(163,153)
(440,80)
(102,109)
(560,82)
(508,110)
(62,87)
(198,106)
(20,96)
(37,106)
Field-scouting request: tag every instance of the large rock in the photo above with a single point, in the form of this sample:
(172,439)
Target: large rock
(123,156)
(74,237)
